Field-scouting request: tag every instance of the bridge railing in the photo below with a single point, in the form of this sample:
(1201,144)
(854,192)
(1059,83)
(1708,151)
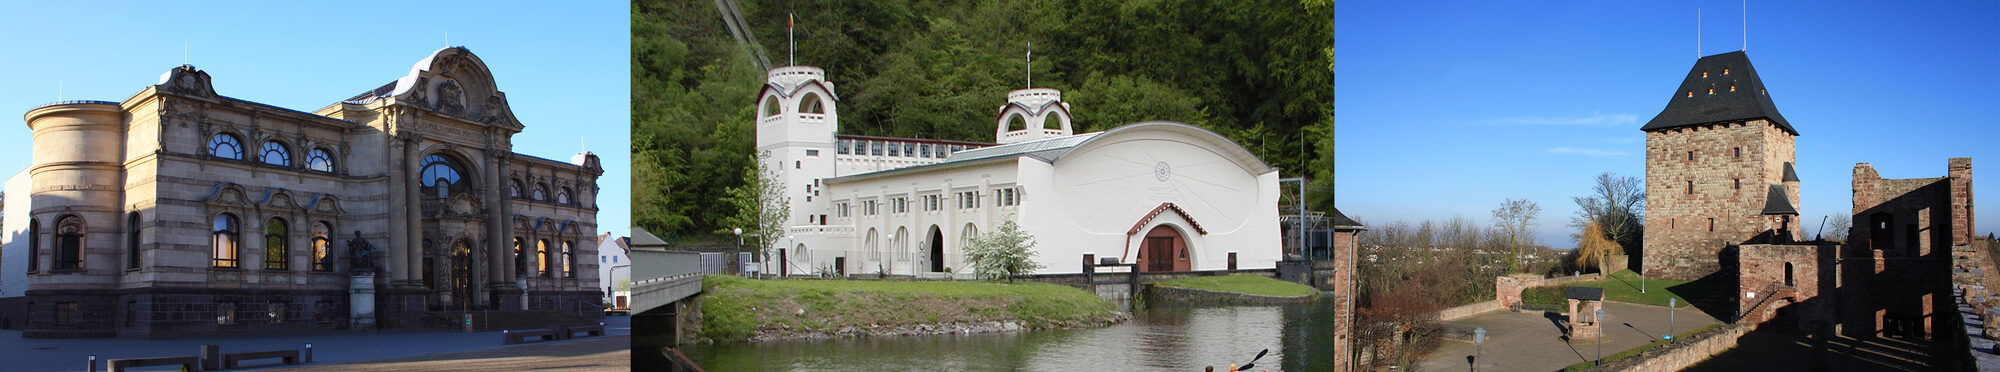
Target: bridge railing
(652,264)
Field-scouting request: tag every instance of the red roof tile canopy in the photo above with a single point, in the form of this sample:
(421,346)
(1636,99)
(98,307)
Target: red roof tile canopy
(1163,208)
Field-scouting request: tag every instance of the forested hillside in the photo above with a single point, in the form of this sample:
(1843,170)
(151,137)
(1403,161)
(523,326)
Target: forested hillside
(1260,72)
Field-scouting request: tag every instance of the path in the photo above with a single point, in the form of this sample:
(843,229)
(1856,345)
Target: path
(329,347)
(1532,342)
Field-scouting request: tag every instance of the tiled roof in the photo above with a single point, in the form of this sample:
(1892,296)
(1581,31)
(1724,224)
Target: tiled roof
(1719,88)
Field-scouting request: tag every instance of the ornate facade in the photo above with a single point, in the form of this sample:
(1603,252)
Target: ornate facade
(182,212)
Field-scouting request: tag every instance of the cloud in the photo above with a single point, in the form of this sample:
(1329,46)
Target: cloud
(1595,153)
(1598,119)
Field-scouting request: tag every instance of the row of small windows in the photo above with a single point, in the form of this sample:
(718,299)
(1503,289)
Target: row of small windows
(226,231)
(227,146)
(547,266)
(889,148)
(1736,152)
(563,195)
(1006,197)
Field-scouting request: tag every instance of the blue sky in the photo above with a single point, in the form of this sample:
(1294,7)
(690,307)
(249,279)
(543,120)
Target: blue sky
(1451,112)
(564,66)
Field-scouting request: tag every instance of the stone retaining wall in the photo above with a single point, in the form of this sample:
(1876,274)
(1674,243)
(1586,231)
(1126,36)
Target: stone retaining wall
(1674,357)
(1467,311)
(1171,295)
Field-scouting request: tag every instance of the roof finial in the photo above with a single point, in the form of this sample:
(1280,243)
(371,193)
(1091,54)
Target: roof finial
(1697,32)
(1746,25)
(1031,65)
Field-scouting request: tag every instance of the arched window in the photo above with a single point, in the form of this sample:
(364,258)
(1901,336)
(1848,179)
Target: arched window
(771,106)
(443,174)
(965,238)
(319,160)
(1015,122)
(520,258)
(276,154)
(811,104)
(222,250)
(541,192)
(276,254)
(542,252)
(225,146)
(34,245)
(69,243)
(514,189)
(132,240)
(322,247)
(569,259)
(563,196)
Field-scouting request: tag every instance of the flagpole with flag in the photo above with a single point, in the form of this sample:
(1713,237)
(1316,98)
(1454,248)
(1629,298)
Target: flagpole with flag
(791,47)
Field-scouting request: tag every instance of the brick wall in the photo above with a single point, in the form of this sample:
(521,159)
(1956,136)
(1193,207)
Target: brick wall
(1793,269)
(1731,169)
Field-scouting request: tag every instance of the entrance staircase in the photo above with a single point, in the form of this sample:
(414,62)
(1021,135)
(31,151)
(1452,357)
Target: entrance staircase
(494,320)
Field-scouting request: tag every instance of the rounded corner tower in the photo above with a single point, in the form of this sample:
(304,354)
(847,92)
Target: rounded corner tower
(1032,114)
(797,116)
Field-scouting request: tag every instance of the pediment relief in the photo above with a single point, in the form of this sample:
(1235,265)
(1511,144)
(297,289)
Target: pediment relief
(278,200)
(325,204)
(463,206)
(227,194)
(453,82)
(188,81)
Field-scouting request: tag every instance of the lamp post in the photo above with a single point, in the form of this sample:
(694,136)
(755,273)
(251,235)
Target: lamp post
(737,256)
(1479,343)
(1670,319)
(1599,320)
(892,240)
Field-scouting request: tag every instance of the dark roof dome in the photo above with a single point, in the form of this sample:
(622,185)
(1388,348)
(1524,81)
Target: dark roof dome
(1777,203)
(1719,88)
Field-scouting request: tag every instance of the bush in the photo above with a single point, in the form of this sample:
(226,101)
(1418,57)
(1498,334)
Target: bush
(1545,296)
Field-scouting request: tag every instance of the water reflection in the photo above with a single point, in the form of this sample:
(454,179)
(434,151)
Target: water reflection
(1299,338)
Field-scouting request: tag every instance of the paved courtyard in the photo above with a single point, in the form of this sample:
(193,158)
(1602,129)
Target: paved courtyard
(329,347)
(1532,341)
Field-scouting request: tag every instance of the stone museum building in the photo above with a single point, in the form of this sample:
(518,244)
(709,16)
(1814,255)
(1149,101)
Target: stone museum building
(182,212)
(1163,195)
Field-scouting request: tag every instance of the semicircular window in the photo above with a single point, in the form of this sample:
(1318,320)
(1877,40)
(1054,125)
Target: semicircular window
(562,196)
(319,160)
(276,154)
(442,174)
(225,146)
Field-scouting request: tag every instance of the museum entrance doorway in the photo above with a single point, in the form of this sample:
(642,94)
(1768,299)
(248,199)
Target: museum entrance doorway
(937,250)
(1163,250)
(461,276)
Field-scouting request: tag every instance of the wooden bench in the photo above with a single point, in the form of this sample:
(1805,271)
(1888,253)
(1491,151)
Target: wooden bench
(511,337)
(189,363)
(288,357)
(588,331)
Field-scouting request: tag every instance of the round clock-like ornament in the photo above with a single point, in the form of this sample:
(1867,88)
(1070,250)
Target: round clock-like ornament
(1161,171)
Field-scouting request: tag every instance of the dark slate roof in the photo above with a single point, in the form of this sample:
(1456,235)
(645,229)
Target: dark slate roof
(642,239)
(1777,203)
(1748,101)
(1584,293)
(375,94)
(1790,175)
(1341,222)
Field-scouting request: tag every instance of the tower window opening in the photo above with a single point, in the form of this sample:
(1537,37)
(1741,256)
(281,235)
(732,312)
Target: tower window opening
(1690,189)
(1732,88)
(1739,184)
(1711,91)
(1711,224)
(1690,94)
(1725,71)
(1704,74)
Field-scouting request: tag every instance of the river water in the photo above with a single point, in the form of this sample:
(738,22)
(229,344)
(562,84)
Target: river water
(1164,338)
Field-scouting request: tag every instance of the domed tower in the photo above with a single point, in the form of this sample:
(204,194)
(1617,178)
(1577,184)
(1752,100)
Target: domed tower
(797,117)
(78,181)
(1032,114)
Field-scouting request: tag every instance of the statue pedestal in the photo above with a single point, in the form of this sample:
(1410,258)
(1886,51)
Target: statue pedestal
(361,301)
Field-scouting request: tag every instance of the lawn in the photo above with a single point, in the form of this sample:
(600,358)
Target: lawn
(736,308)
(1242,283)
(1625,286)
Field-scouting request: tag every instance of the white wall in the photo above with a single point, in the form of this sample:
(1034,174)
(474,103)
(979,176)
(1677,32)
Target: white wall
(13,237)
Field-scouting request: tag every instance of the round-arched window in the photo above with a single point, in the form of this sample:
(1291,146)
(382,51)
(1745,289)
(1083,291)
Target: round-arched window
(226,146)
(514,188)
(275,153)
(563,196)
(541,192)
(319,160)
(442,173)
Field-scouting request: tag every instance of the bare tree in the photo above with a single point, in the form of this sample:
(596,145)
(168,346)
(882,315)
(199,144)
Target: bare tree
(1836,228)
(1617,205)
(1515,220)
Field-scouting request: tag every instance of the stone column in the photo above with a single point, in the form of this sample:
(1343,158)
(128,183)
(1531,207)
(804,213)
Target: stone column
(399,270)
(413,206)
(496,267)
(361,298)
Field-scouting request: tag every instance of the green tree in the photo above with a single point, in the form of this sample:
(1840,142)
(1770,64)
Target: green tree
(761,206)
(1004,253)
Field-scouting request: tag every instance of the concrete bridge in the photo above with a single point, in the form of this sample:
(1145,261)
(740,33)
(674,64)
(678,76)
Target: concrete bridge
(661,278)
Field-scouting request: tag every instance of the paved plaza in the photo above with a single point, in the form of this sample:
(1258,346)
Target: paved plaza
(1533,342)
(329,347)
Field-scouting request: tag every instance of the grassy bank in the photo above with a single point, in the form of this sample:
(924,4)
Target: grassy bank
(1625,286)
(1242,283)
(734,309)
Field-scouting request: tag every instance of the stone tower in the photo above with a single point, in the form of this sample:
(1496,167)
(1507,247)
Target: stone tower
(1715,158)
(797,117)
(1032,114)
